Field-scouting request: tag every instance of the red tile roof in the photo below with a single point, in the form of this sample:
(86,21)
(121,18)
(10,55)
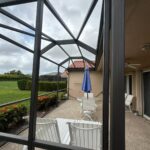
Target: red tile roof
(80,64)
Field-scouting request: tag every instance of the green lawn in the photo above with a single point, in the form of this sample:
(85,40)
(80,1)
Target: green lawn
(9,92)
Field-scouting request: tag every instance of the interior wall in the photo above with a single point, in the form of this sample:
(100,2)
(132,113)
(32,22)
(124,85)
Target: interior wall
(138,87)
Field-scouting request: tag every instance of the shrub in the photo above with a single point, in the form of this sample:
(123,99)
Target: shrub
(45,101)
(10,116)
(28,85)
(42,100)
(62,96)
(22,84)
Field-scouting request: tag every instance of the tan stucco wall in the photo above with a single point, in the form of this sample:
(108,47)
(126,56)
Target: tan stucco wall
(137,90)
(75,83)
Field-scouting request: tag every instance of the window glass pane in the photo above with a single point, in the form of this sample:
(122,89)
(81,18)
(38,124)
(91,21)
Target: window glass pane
(72,12)
(130,84)
(90,32)
(52,27)
(56,54)
(72,50)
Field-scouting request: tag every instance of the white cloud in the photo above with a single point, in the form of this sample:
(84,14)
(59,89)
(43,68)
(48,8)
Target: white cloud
(72,12)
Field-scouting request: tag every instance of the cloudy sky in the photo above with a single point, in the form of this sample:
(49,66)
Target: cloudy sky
(73,13)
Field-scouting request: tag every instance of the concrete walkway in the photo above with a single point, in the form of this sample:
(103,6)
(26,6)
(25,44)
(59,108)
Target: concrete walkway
(137,128)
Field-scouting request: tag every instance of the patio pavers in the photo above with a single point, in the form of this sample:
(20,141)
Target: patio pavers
(137,128)
(137,132)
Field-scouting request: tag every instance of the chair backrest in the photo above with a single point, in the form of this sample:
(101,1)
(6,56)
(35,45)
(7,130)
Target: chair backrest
(88,104)
(47,129)
(86,135)
(90,95)
(129,100)
(126,95)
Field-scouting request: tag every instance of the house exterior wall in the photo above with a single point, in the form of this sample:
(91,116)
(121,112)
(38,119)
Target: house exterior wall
(75,83)
(137,104)
(139,91)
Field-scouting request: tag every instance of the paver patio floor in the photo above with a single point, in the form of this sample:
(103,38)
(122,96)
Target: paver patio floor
(137,128)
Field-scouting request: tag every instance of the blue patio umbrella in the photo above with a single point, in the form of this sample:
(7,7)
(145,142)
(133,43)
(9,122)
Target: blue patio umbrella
(86,84)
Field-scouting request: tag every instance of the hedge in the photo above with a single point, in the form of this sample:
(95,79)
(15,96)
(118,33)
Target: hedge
(10,116)
(12,77)
(43,85)
(22,84)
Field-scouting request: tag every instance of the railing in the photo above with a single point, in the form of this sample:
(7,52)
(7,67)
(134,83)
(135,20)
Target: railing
(26,99)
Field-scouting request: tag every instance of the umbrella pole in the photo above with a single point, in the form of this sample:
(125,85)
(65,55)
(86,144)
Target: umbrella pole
(87,95)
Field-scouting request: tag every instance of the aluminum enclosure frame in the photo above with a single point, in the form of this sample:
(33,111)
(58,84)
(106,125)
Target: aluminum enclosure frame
(117,121)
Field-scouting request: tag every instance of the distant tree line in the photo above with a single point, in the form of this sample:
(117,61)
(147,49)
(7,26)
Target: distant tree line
(13,75)
(14,72)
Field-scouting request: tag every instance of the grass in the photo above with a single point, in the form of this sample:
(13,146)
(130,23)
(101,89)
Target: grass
(9,92)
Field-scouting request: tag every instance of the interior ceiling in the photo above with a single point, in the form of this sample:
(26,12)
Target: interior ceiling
(137,32)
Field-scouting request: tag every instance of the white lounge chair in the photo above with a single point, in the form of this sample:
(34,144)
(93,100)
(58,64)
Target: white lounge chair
(128,101)
(88,107)
(126,95)
(86,135)
(47,130)
(90,95)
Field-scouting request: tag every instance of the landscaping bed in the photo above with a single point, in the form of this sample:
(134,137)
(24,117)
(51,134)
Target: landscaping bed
(11,117)
(16,124)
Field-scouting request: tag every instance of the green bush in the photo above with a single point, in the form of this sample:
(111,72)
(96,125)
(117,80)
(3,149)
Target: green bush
(45,101)
(10,116)
(28,85)
(22,84)
(43,85)
(62,96)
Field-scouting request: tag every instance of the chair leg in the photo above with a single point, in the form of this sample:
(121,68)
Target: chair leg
(130,108)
